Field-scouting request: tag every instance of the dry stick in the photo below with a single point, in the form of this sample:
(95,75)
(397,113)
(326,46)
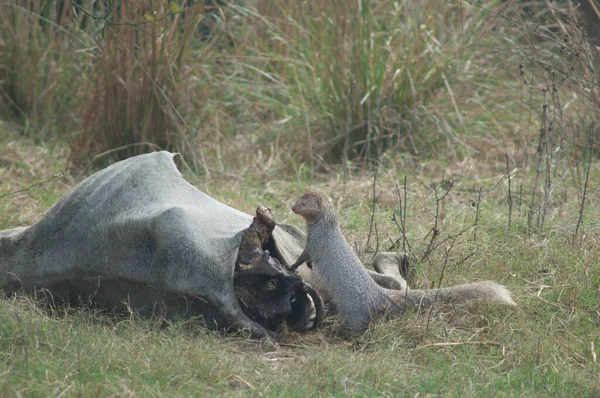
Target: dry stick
(242,381)
(405,241)
(477,215)
(395,220)
(450,237)
(520,199)
(588,147)
(542,151)
(57,175)
(446,259)
(539,349)
(346,175)
(376,241)
(530,214)
(549,155)
(458,343)
(510,202)
(374,200)
(557,109)
(434,230)
(521,102)
(402,237)
(108,152)
(402,214)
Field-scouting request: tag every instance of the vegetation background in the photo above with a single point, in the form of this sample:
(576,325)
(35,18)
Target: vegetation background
(465,133)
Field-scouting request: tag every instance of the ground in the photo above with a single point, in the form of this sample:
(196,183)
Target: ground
(546,346)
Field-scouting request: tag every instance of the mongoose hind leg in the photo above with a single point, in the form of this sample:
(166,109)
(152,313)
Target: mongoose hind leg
(387,281)
(394,265)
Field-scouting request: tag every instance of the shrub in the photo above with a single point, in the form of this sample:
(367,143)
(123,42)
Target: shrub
(44,57)
(289,82)
(138,83)
(355,73)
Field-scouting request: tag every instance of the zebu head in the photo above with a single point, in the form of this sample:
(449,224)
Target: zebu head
(268,292)
(271,295)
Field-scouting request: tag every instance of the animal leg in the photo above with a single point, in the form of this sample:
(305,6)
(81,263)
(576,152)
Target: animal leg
(231,311)
(304,257)
(390,264)
(387,281)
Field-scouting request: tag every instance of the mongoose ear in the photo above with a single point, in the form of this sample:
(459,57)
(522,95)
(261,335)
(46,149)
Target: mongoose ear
(329,201)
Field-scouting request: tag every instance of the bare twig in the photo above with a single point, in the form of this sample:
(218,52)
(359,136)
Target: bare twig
(537,172)
(548,157)
(242,381)
(57,175)
(477,215)
(439,205)
(539,350)
(510,201)
(587,147)
(446,260)
(520,199)
(374,202)
(405,239)
(402,214)
(461,343)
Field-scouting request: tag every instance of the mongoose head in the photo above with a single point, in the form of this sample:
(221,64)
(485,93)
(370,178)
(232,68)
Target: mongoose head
(314,205)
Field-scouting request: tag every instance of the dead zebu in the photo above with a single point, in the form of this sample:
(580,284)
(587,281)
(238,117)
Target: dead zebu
(136,234)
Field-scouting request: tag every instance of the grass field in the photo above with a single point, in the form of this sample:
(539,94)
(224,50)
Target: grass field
(475,119)
(543,347)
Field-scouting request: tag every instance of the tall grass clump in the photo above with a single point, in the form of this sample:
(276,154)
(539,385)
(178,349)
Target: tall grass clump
(138,87)
(356,74)
(556,64)
(44,58)
(250,85)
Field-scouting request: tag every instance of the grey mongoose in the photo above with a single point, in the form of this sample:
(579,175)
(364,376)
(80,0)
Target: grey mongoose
(354,293)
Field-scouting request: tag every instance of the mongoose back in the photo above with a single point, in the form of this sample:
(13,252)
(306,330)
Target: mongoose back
(355,294)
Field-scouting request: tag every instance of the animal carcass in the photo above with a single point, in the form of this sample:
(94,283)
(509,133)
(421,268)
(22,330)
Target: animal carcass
(137,235)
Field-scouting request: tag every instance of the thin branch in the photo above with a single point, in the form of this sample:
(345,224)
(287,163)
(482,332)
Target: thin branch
(374,201)
(587,147)
(459,343)
(55,176)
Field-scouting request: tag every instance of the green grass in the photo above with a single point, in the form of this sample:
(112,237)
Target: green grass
(442,91)
(540,348)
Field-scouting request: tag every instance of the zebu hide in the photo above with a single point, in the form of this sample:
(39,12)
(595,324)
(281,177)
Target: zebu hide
(136,234)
